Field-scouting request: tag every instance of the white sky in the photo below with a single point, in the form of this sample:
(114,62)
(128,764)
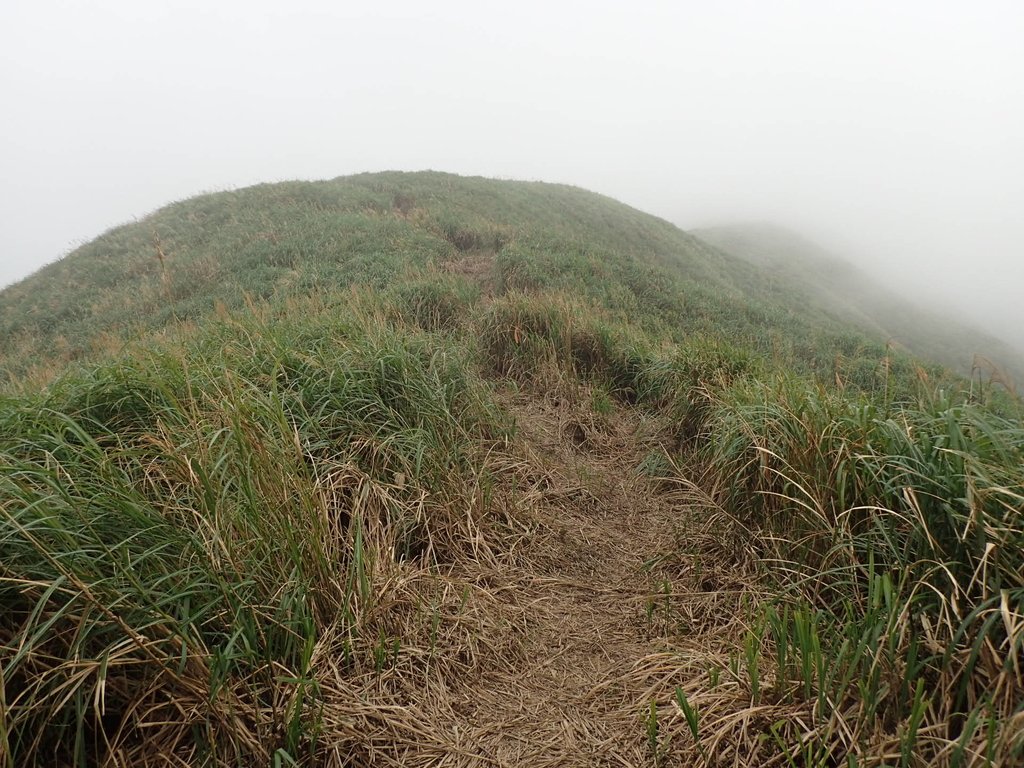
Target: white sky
(892,130)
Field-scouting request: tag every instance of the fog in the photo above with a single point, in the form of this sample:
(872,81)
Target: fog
(893,132)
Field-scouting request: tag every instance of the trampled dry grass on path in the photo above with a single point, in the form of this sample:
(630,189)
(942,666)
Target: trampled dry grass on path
(598,607)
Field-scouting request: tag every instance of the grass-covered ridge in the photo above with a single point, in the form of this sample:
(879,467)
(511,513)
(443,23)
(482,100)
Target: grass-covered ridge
(177,265)
(319,508)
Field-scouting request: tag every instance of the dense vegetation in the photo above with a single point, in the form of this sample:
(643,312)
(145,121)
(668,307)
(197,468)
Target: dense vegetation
(255,462)
(271,242)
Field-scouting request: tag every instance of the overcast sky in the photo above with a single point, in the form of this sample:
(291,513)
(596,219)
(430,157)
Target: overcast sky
(893,130)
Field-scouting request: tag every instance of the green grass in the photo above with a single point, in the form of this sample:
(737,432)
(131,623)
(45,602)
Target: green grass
(244,441)
(895,537)
(174,268)
(184,530)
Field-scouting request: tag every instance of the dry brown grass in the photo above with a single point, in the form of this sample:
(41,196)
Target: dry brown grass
(567,642)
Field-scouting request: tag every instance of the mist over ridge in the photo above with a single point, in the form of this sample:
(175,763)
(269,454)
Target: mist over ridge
(888,132)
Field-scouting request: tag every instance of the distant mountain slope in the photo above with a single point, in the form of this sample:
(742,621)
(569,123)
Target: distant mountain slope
(840,288)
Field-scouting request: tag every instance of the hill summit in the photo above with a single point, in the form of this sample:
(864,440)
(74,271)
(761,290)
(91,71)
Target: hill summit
(274,241)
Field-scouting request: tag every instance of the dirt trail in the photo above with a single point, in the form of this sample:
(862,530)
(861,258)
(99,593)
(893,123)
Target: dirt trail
(593,649)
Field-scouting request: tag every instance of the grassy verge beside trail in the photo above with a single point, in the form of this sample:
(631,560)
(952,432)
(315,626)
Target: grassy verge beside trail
(196,541)
(894,538)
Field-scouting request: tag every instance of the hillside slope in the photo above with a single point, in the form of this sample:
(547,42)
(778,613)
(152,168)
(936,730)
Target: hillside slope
(179,264)
(293,238)
(413,470)
(840,288)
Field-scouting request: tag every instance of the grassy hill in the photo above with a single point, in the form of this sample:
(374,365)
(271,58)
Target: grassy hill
(271,242)
(419,470)
(290,239)
(840,288)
